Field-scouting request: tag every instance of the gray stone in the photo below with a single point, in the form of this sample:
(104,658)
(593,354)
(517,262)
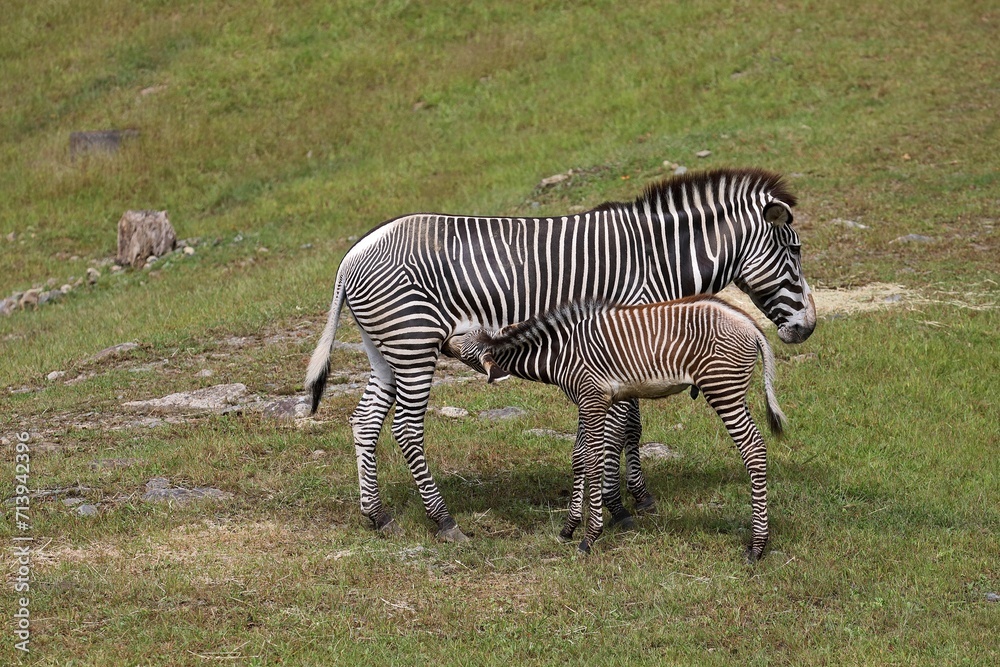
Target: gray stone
(913,238)
(500,414)
(92,275)
(704,153)
(30,298)
(552,180)
(217,399)
(292,407)
(204,373)
(159,490)
(680,170)
(849,223)
(55,375)
(113,351)
(70,502)
(99,141)
(8,305)
(453,412)
(658,451)
(86,510)
(992,597)
(51,295)
(550,433)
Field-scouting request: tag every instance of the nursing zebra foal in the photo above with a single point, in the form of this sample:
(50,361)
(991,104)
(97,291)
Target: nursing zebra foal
(413,282)
(600,354)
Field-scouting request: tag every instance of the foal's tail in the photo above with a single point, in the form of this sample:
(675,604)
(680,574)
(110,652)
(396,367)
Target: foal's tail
(775,417)
(319,364)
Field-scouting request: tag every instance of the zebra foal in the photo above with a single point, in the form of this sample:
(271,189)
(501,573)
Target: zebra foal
(600,353)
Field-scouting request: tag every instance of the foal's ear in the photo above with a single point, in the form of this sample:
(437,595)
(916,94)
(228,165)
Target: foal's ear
(778,214)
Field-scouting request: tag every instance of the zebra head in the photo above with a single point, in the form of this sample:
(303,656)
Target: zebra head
(475,350)
(772,275)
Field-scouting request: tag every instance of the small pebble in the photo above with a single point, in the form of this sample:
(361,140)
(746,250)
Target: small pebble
(55,375)
(205,373)
(452,412)
(188,250)
(87,510)
(992,597)
(704,153)
(318,453)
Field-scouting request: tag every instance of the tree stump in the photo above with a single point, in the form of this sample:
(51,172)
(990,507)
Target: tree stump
(144,234)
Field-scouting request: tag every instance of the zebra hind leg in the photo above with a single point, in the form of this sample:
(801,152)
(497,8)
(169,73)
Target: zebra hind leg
(635,480)
(744,432)
(593,415)
(366,423)
(616,434)
(412,392)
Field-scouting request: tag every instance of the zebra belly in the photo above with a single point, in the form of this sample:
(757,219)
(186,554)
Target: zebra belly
(650,388)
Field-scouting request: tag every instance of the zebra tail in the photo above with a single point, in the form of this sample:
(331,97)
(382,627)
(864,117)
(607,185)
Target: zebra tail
(775,417)
(319,364)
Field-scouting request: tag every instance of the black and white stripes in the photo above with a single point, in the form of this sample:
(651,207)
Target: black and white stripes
(415,281)
(600,354)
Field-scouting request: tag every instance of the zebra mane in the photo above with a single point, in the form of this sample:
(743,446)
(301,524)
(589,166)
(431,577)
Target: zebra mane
(705,181)
(532,329)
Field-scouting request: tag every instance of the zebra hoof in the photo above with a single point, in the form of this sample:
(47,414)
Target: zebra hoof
(646,506)
(622,522)
(754,555)
(584,547)
(452,534)
(565,536)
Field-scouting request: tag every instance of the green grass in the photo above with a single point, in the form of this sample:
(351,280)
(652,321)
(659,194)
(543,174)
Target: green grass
(293,127)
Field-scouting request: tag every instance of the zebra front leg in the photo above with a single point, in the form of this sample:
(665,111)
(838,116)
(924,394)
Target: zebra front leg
(753,451)
(575,515)
(412,392)
(593,415)
(366,423)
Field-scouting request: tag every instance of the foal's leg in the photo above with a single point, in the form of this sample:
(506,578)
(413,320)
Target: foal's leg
(745,434)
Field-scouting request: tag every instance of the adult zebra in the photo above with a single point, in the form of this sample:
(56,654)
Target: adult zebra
(414,281)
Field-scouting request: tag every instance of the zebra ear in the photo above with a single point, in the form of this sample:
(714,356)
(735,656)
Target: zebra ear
(777,214)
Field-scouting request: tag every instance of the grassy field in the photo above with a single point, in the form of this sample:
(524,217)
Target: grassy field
(277,133)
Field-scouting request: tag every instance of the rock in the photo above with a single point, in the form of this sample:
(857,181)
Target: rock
(55,375)
(159,490)
(211,400)
(144,234)
(704,153)
(453,412)
(29,298)
(188,250)
(8,305)
(913,238)
(657,451)
(113,351)
(115,268)
(318,453)
(86,510)
(92,275)
(680,171)
(70,502)
(992,597)
(501,414)
(549,433)
(552,180)
(849,223)
(100,141)
(204,373)
(292,407)
(51,295)
(66,289)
